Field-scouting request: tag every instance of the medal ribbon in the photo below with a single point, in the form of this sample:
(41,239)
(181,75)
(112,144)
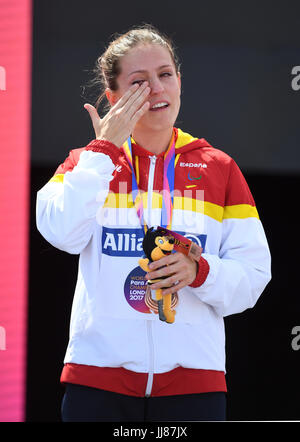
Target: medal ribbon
(168,185)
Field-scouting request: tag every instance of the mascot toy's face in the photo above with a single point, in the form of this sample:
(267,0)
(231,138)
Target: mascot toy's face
(156,245)
(164,246)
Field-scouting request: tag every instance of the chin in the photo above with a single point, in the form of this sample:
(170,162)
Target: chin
(156,124)
(160,127)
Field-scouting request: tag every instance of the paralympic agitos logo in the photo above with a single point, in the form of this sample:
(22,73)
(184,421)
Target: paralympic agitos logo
(128,242)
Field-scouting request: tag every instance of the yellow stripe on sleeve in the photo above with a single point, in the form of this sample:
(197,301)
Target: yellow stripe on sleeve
(240,211)
(59,178)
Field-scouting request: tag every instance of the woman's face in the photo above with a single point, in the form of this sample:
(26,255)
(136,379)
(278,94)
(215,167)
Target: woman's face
(152,63)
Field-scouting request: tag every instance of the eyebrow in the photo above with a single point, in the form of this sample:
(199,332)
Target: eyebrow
(143,71)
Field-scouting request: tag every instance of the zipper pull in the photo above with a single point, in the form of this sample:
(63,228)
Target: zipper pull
(152,158)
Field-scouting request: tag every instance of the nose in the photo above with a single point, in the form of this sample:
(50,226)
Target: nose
(156,85)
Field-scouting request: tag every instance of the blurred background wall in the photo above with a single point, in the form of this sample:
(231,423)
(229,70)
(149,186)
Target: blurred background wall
(241,93)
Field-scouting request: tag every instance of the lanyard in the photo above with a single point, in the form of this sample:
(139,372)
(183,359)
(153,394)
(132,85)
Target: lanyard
(168,185)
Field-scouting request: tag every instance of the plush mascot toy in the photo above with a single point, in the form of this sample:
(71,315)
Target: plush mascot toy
(156,247)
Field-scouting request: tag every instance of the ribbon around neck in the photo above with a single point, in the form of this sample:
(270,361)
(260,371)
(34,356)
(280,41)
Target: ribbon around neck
(168,185)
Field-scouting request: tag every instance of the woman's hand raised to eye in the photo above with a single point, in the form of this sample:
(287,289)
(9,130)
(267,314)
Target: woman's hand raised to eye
(119,122)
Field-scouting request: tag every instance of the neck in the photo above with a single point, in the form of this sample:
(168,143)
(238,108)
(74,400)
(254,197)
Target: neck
(155,142)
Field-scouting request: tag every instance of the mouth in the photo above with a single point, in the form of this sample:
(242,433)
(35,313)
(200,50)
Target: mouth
(160,106)
(166,252)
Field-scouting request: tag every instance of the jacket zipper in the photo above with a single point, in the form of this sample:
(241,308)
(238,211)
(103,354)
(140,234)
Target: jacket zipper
(153,159)
(149,323)
(151,359)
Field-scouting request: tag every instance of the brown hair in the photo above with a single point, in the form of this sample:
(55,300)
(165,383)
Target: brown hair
(107,67)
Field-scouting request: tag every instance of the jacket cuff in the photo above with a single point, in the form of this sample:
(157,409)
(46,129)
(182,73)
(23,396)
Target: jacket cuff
(203,269)
(106,147)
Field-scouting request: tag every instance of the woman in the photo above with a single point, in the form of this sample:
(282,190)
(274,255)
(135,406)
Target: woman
(122,362)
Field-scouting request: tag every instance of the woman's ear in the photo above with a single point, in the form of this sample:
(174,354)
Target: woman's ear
(112,96)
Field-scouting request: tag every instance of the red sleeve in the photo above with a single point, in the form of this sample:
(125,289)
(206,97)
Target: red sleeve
(106,147)
(202,272)
(101,146)
(70,162)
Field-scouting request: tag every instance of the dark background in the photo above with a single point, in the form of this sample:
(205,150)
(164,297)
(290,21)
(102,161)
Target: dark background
(237,59)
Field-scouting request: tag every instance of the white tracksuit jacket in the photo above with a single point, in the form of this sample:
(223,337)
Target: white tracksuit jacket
(116,342)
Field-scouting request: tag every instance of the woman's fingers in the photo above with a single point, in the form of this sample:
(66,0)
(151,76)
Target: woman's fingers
(177,268)
(140,113)
(167,272)
(120,103)
(137,100)
(133,99)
